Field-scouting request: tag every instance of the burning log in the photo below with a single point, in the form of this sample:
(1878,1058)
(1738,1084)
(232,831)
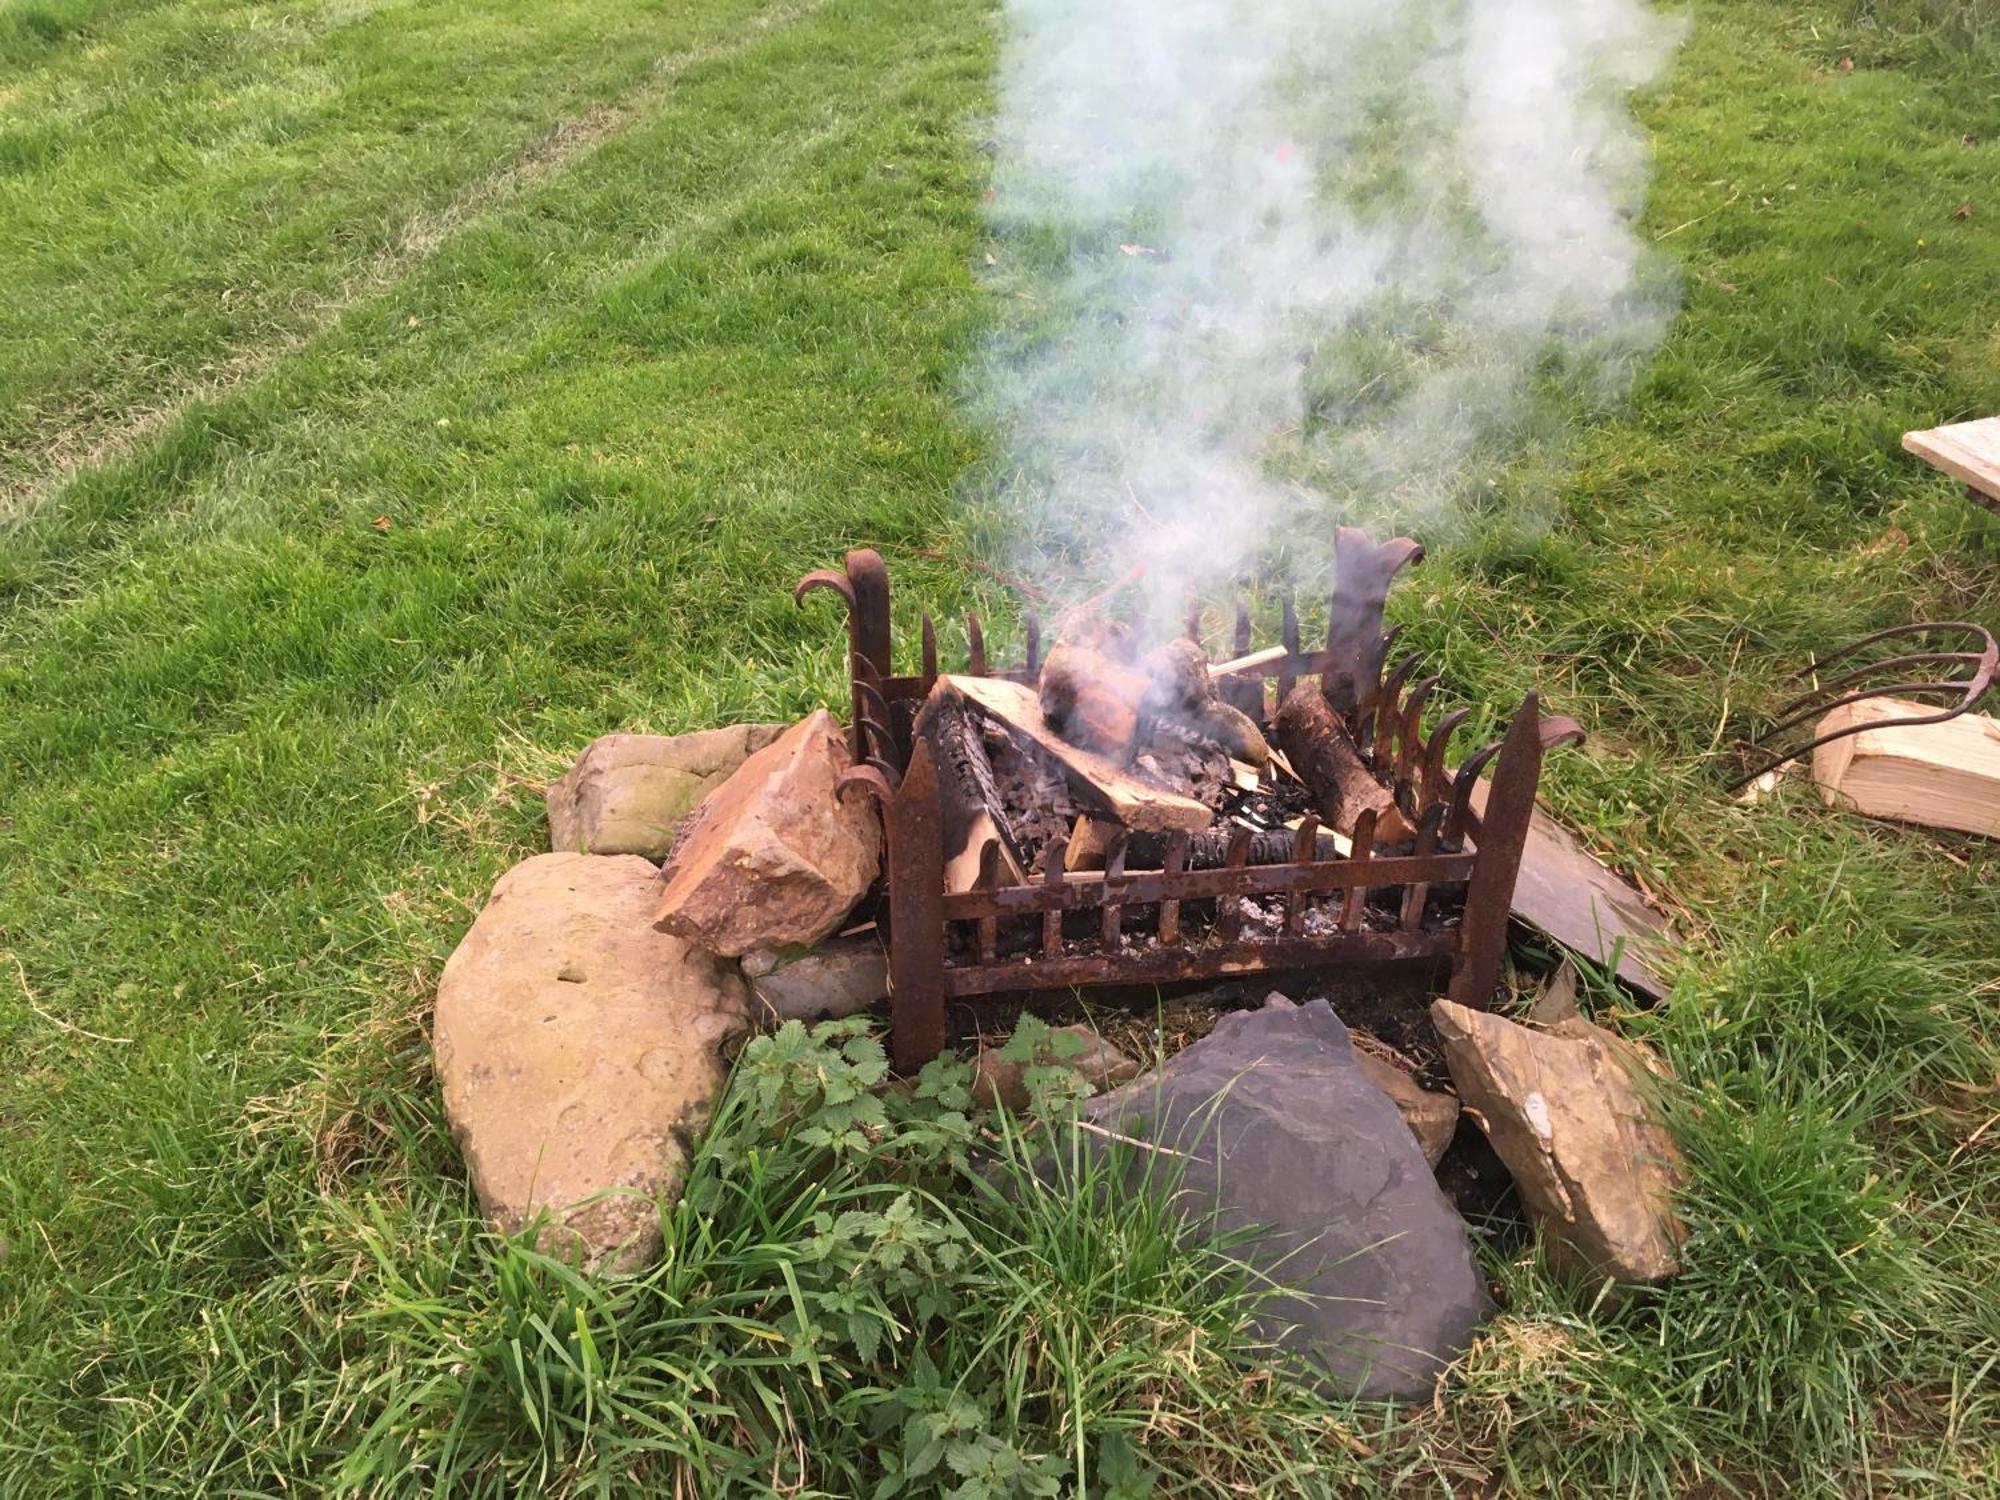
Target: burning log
(1315,740)
(1095,701)
(1210,850)
(1182,694)
(1096,780)
(974,814)
(1091,700)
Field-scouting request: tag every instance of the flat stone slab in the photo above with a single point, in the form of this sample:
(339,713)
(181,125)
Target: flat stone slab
(1282,1132)
(1564,892)
(629,793)
(580,1053)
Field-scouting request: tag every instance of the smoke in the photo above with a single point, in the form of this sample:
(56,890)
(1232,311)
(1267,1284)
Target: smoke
(1270,267)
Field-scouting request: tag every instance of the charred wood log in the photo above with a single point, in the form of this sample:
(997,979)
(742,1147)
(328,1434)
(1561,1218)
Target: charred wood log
(1320,748)
(1098,782)
(1089,699)
(974,813)
(1210,850)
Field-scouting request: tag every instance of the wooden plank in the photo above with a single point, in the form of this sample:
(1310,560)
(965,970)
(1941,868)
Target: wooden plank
(1563,892)
(1936,775)
(1136,803)
(1968,451)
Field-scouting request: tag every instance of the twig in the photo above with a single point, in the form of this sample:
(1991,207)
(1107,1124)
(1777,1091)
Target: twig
(1131,1140)
(28,994)
(1972,1140)
(1019,585)
(1689,224)
(1083,609)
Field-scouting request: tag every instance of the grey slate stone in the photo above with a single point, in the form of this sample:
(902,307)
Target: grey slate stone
(1283,1134)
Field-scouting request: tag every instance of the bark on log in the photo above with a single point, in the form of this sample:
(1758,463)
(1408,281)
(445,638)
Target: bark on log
(1210,850)
(1317,743)
(969,799)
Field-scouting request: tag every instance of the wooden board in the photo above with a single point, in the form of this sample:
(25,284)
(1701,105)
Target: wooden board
(1968,451)
(1937,775)
(1563,892)
(1136,803)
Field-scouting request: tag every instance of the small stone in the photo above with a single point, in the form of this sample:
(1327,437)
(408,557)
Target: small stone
(1432,1117)
(774,859)
(629,793)
(997,1081)
(1566,1112)
(580,1054)
(1280,1134)
(841,977)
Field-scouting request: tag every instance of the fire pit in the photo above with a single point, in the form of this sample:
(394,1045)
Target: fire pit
(1071,822)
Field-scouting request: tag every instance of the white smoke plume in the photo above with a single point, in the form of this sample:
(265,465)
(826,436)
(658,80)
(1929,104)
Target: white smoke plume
(1268,267)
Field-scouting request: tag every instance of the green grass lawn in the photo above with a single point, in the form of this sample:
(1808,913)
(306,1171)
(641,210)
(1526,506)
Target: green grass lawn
(393,397)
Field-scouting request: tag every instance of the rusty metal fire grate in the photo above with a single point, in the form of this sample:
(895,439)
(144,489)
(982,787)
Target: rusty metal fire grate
(1152,915)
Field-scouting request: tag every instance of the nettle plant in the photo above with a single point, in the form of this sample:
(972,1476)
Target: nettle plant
(900,1270)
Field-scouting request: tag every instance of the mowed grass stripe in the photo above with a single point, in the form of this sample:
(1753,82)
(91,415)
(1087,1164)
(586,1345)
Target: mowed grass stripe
(183,1322)
(175,206)
(150,616)
(707,146)
(64,453)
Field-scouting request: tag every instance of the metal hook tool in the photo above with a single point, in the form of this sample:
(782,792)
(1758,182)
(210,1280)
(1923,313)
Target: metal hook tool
(1878,678)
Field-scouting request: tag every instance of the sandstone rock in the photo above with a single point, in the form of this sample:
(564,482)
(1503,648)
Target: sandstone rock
(628,793)
(996,1081)
(1283,1133)
(1432,1118)
(774,859)
(839,978)
(1566,1113)
(580,1053)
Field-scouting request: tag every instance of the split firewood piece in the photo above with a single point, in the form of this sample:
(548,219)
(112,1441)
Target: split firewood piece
(1090,842)
(1332,843)
(1089,699)
(1939,775)
(1095,779)
(973,814)
(1315,740)
(1234,730)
